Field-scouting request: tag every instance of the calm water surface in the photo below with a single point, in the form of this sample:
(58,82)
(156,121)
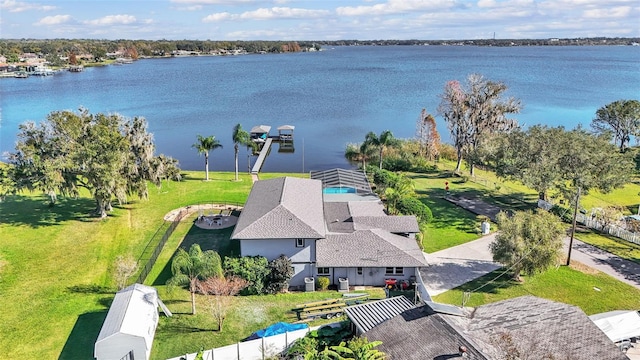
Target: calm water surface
(333,97)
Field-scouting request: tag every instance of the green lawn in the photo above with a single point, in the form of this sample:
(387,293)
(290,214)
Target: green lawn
(592,292)
(184,333)
(623,248)
(55,262)
(451,224)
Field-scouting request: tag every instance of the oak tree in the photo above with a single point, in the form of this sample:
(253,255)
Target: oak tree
(528,242)
(474,112)
(622,118)
(109,155)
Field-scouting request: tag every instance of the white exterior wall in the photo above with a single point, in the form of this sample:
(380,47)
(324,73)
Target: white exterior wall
(370,276)
(273,248)
(303,258)
(118,345)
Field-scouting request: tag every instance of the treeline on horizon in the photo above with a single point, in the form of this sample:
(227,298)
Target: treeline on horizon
(149,48)
(146,48)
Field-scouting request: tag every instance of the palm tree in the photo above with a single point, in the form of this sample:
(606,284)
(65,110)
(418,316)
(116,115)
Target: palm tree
(204,145)
(189,268)
(381,142)
(240,137)
(358,349)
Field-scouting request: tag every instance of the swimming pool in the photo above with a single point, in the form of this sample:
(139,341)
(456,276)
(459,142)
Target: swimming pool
(339,190)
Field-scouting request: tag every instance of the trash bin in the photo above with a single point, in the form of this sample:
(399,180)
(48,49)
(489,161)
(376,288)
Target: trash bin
(343,284)
(309,284)
(486,227)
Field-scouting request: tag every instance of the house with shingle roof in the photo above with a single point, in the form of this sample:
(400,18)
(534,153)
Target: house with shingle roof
(535,328)
(352,239)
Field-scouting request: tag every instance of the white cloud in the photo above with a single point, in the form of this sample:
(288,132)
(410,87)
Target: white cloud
(283,13)
(223,16)
(268,14)
(216,2)
(487,3)
(395,7)
(611,13)
(54,20)
(113,20)
(17,6)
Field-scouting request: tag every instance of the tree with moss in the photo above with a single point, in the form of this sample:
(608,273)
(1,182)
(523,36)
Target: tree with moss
(109,155)
(475,112)
(621,118)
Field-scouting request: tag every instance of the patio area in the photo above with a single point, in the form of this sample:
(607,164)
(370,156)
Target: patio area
(214,222)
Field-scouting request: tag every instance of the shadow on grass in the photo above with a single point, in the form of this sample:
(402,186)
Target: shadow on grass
(35,211)
(217,240)
(490,283)
(84,334)
(90,289)
(446,214)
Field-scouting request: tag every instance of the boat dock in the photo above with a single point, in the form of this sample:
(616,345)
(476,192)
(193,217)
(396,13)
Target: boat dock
(263,155)
(260,135)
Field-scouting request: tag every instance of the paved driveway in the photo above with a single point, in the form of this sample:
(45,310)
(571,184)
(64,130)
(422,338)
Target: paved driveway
(458,265)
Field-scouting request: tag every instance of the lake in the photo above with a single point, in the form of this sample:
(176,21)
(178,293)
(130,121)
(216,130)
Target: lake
(333,97)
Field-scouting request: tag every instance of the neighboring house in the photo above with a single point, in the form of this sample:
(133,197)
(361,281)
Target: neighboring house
(620,326)
(129,328)
(330,230)
(530,326)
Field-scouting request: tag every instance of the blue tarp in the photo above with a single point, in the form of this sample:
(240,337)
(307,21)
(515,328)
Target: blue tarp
(277,328)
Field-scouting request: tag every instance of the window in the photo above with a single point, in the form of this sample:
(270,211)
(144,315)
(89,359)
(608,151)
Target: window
(394,271)
(323,271)
(399,271)
(299,242)
(359,270)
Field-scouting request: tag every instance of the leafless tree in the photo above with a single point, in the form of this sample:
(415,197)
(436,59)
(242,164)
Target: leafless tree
(123,269)
(219,292)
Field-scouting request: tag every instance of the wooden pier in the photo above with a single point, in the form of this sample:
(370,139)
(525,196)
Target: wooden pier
(263,155)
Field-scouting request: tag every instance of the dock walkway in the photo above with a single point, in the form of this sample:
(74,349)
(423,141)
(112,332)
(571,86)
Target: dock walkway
(263,154)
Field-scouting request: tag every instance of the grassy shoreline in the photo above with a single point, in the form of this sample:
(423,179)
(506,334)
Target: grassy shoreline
(56,264)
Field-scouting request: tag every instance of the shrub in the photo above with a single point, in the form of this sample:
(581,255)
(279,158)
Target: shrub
(397,163)
(253,269)
(410,205)
(323,283)
(280,272)
(448,152)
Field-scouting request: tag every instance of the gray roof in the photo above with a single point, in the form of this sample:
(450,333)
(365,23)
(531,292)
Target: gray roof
(393,224)
(343,178)
(282,208)
(344,217)
(367,208)
(536,326)
(368,248)
(260,129)
(286,127)
(338,217)
(368,315)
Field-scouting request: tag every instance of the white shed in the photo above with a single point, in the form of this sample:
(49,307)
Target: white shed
(127,332)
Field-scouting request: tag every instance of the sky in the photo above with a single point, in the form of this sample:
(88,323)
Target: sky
(318,19)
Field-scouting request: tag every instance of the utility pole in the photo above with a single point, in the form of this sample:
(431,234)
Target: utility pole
(573,227)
